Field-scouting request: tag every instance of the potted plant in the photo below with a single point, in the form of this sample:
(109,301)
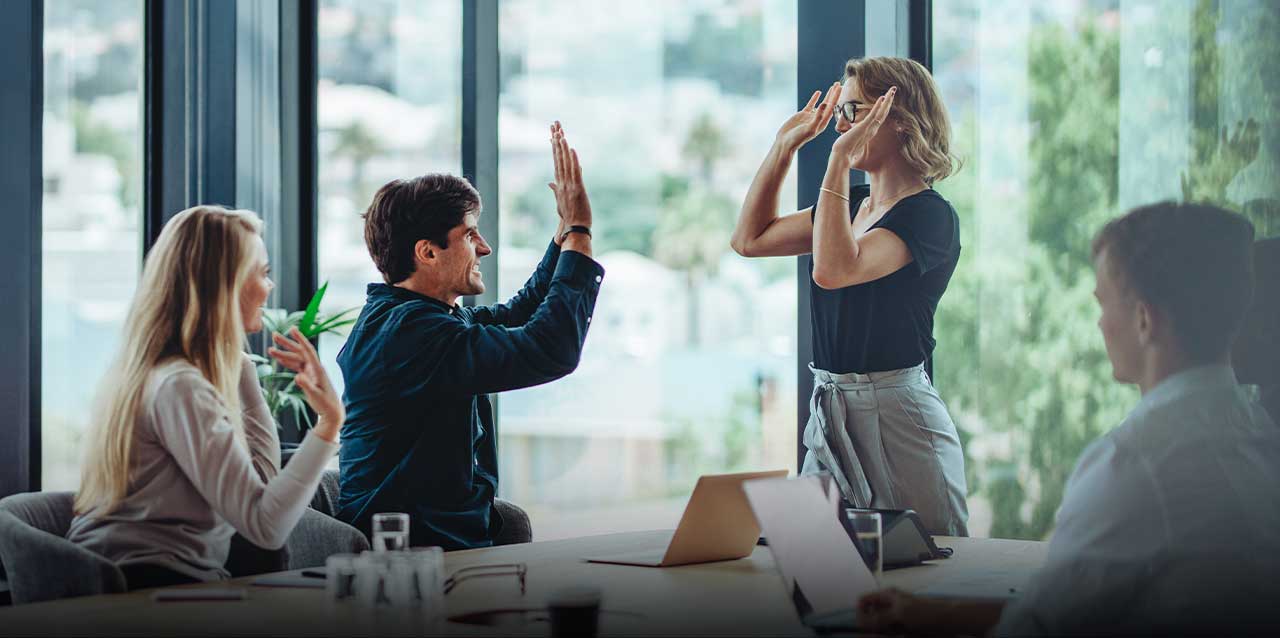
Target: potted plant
(284,397)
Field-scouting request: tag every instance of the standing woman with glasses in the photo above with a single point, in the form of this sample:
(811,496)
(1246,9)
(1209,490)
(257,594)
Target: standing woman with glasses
(883,254)
(182,451)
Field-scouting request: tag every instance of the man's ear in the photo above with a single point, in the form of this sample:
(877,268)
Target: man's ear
(424,252)
(1149,321)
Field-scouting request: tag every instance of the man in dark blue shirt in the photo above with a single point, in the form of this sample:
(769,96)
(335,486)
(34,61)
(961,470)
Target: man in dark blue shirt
(419,435)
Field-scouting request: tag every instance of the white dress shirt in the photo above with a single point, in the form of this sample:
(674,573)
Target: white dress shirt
(1170,523)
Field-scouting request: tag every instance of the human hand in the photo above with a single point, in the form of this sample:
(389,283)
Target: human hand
(809,121)
(885,611)
(572,203)
(296,353)
(852,144)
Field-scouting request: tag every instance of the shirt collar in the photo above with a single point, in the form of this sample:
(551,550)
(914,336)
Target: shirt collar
(375,291)
(1181,384)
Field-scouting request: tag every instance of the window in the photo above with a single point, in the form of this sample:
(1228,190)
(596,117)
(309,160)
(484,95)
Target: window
(92,208)
(389,105)
(1068,114)
(689,366)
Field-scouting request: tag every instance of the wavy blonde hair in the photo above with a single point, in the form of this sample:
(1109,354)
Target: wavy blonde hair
(187,307)
(926,129)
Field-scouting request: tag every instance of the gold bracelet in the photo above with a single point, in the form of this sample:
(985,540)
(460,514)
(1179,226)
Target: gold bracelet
(828,190)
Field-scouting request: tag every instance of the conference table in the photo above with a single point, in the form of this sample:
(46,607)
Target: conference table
(739,597)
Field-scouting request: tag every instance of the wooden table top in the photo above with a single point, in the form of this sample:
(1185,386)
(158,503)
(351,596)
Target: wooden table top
(741,597)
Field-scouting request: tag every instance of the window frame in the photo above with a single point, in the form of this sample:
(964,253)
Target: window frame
(192,108)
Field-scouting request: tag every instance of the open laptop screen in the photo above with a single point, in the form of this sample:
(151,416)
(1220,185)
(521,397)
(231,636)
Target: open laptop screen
(810,547)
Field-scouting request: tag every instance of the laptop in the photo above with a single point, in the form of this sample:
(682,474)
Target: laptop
(821,565)
(717,525)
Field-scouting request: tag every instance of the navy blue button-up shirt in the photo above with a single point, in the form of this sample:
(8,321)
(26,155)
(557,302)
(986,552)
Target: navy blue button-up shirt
(419,435)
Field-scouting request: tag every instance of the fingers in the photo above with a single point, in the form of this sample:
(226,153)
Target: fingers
(295,351)
(881,110)
(828,107)
(556,158)
(575,167)
(813,100)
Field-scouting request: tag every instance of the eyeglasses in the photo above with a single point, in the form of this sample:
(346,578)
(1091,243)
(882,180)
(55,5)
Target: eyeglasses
(479,571)
(849,110)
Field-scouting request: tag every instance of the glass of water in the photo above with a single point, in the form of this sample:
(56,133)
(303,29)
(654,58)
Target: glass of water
(340,576)
(865,525)
(390,532)
(415,584)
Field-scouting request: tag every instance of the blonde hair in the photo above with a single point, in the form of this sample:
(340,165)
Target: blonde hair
(926,129)
(187,307)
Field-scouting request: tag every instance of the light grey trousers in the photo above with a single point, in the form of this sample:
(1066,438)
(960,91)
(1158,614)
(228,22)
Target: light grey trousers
(888,442)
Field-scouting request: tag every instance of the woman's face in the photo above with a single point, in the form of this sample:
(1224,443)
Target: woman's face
(884,145)
(256,288)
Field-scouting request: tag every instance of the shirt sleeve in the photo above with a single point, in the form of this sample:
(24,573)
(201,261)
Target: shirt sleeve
(930,230)
(473,358)
(259,426)
(191,423)
(522,305)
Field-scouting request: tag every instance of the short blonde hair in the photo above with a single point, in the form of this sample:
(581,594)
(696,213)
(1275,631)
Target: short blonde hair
(926,129)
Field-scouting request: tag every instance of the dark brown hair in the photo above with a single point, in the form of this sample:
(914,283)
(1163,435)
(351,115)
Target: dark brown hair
(405,211)
(1193,262)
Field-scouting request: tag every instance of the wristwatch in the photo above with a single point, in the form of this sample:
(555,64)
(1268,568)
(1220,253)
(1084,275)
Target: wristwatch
(586,230)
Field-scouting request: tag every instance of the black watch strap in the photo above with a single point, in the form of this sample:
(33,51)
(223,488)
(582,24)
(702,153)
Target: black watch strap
(586,230)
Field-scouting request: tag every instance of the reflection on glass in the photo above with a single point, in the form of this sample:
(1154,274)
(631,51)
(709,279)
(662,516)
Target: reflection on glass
(689,366)
(388,107)
(91,209)
(1067,114)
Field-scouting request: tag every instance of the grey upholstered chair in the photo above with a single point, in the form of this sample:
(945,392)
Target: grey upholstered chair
(38,562)
(515,522)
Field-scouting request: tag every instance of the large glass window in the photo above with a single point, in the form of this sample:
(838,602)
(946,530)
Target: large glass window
(689,366)
(1067,114)
(389,106)
(92,207)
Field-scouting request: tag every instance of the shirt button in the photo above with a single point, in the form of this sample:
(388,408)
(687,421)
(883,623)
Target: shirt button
(588,318)
(599,278)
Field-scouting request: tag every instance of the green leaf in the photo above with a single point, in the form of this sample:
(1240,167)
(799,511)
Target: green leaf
(307,324)
(273,318)
(333,322)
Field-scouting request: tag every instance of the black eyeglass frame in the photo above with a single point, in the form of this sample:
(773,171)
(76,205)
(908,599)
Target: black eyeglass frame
(849,110)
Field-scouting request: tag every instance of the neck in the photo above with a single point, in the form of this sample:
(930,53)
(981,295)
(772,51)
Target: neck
(893,182)
(435,290)
(1162,364)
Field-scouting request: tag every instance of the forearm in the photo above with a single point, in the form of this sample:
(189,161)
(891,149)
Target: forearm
(834,248)
(760,207)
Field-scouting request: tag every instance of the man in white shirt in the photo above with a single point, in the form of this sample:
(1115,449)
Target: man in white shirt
(1170,523)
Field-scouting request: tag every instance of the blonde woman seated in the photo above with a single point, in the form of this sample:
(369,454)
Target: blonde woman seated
(184,451)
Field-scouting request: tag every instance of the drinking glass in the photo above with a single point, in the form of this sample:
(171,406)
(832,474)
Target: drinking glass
(372,574)
(390,532)
(415,584)
(865,525)
(340,576)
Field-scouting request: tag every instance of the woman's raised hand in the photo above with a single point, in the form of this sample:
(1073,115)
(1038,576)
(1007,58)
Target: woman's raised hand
(296,353)
(809,121)
(852,144)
